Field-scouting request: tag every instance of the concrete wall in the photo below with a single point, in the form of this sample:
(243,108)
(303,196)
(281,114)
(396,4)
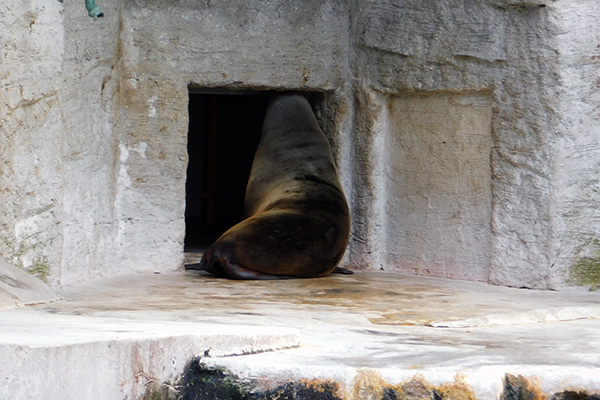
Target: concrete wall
(438,184)
(466,132)
(535,63)
(95,125)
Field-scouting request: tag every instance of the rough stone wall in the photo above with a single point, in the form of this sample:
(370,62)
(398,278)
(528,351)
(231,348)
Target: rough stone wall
(95,125)
(264,45)
(576,145)
(526,104)
(525,56)
(467,48)
(438,184)
(94,128)
(32,134)
(61,176)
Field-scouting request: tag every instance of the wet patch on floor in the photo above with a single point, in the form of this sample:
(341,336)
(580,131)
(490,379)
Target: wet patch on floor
(383,299)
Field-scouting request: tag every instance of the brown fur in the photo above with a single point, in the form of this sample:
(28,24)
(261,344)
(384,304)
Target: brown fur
(298,223)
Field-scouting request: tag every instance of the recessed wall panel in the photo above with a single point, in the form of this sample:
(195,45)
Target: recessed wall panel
(438,184)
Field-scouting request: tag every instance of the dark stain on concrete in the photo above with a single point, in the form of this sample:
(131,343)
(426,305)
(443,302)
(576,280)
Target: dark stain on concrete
(303,390)
(201,382)
(521,388)
(573,395)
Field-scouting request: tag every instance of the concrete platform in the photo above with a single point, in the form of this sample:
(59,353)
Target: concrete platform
(365,332)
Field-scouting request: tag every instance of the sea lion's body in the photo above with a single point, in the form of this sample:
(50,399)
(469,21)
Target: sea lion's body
(298,223)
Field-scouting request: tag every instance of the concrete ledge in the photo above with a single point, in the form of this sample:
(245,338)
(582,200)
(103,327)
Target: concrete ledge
(453,382)
(366,335)
(65,357)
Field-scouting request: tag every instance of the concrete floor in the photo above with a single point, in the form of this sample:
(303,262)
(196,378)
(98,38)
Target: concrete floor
(115,338)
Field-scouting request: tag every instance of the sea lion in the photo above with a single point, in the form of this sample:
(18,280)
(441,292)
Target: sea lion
(298,222)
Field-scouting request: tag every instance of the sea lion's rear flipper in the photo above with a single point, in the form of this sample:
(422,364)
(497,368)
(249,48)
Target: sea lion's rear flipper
(193,267)
(340,270)
(242,273)
(219,264)
(214,268)
(208,263)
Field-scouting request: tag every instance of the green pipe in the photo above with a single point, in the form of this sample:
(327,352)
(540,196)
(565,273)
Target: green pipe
(93,10)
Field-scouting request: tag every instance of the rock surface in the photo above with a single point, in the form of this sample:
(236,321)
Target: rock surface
(19,288)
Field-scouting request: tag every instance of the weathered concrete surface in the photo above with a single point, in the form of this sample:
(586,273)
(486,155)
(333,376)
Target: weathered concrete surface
(366,332)
(438,189)
(81,357)
(537,62)
(94,120)
(577,147)
(19,288)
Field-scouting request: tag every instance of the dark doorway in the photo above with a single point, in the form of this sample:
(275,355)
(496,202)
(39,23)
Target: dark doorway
(224,132)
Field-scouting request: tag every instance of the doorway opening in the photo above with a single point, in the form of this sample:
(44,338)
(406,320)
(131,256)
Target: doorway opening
(224,133)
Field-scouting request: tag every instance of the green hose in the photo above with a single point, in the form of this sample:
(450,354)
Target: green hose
(93,10)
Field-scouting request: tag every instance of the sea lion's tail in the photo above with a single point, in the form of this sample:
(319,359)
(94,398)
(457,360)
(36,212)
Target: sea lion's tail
(340,270)
(202,265)
(208,263)
(217,262)
(194,267)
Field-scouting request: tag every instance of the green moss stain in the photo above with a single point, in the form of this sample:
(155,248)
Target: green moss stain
(40,268)
(585,271)
(13,252)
